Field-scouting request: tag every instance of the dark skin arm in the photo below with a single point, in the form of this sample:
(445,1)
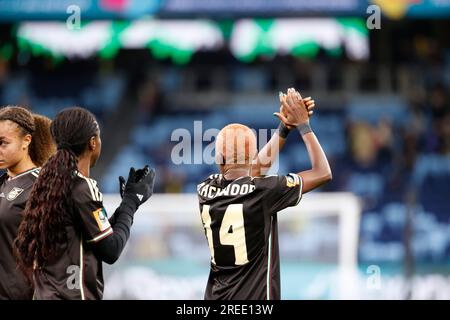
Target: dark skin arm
(267,155)
(320,172)
(270,151)
(296,114)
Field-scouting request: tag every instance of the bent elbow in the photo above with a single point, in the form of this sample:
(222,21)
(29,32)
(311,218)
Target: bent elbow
(327,176)
(110,259)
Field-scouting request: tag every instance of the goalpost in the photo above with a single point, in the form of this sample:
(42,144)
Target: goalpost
(172,221)
(346,207)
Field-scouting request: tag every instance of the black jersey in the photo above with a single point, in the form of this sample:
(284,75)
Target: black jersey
(76,273)
(240,221)
(14,193)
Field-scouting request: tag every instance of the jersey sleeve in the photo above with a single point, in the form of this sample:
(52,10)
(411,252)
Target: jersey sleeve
(281,192)
(92,214)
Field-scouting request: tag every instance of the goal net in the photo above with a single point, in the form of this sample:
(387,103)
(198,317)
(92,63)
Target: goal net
(167,256)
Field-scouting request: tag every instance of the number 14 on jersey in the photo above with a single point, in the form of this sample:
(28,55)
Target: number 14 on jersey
(232,231)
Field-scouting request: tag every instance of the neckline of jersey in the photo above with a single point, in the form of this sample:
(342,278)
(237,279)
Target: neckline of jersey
(225,179)
(22,174)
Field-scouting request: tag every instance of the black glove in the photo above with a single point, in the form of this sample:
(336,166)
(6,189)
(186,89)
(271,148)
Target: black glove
(139,186)
(122,183)
(140,173)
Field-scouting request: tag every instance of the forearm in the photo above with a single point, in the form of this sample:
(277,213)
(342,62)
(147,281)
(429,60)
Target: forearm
(320,172)
(110,248)
(267,155)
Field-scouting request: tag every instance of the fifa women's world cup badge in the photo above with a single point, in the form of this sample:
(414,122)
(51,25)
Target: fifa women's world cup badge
(292,180)
(101,218)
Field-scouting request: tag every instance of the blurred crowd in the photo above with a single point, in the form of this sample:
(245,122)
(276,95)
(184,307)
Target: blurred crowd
(387,136)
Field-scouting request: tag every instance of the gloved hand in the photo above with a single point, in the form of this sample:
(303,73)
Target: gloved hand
(122,183)
(139,174)
(139,186)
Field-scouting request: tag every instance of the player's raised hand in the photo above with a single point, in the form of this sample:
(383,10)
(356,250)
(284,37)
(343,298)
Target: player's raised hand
(310,104)
(283,115)
(122,183)
(139,186)
(140,173)
(137,175)
(294,110)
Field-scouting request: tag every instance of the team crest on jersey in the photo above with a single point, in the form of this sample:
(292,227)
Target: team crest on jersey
(14,193)
(101,218)
(292,180)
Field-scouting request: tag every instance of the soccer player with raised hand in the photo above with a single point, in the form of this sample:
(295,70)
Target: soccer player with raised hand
(65,234)
(239,208)
(267,155)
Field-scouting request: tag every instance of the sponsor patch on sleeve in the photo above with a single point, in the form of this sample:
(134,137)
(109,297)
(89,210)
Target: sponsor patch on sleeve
(101,218)
(292,180)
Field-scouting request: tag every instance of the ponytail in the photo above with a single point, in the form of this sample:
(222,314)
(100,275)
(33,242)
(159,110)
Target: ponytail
(43,226)
(41,146)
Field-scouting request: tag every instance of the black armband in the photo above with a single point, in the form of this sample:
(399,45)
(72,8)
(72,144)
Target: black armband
(283,131)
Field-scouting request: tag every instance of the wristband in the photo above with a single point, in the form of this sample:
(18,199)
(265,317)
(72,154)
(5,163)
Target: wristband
(283,131)
(304,128)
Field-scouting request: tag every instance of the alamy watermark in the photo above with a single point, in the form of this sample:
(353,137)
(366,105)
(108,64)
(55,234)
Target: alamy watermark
(374,19)
(373,281)
(190,146)
(73,22)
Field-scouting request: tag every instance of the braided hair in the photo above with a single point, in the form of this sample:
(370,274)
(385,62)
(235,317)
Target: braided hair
(42,227)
